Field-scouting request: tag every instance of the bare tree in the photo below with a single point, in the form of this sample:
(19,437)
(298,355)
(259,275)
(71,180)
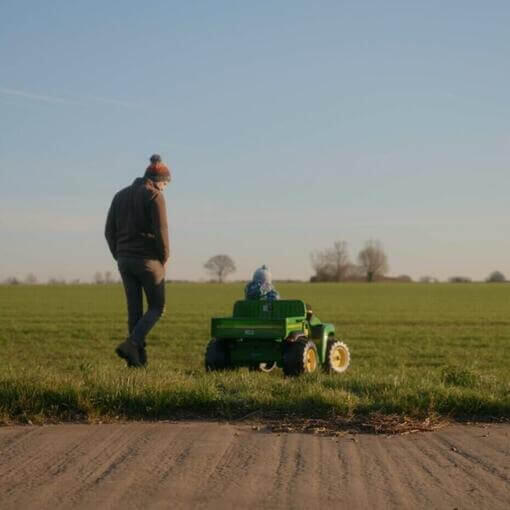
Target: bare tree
(31,279)
(98,277)
(108,277)
(220,266)
(331,264)
(496,277)
(373,260)
(12,280)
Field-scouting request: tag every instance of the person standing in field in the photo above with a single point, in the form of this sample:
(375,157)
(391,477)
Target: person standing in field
(137,234)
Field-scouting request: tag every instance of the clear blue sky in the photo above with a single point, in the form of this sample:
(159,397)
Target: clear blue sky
(288,125)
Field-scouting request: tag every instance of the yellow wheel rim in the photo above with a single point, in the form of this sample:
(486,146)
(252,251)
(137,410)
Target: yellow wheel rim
(311,360)
(339,358)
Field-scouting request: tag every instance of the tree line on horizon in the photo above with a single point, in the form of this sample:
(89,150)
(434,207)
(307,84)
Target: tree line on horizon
(330,265)
(334,265)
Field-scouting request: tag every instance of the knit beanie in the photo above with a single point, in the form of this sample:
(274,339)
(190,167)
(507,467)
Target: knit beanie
(157,170)
(262,275)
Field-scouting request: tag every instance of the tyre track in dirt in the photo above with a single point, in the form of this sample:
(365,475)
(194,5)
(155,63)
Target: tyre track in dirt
(208,465)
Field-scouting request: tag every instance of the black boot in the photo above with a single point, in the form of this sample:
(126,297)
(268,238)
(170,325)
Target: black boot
(129,351)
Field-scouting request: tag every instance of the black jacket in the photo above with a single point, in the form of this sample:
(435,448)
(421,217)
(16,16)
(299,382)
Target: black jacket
(136,225)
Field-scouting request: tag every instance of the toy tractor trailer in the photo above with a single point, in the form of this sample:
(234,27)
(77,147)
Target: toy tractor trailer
(262,335)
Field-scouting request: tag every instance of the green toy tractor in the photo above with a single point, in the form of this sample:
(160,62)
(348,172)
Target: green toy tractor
(262,335)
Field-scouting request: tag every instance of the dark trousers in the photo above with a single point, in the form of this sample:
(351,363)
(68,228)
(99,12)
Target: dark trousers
(148,276)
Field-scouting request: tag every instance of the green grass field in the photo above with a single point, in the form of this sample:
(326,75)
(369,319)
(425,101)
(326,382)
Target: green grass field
(417,350)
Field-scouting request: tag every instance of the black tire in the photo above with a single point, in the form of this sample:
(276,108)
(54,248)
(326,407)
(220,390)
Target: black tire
(216,355)
(300,357)
(263,367)
(338,356)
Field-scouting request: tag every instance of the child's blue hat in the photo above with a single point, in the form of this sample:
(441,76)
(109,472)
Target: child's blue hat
(262,275)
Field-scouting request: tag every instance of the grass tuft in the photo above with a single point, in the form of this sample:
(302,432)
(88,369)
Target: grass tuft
(460,376)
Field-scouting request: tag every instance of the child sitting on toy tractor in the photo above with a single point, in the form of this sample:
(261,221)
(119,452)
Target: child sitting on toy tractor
(261,286)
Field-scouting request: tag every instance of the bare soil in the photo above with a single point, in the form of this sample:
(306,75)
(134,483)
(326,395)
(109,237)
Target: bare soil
(210,465)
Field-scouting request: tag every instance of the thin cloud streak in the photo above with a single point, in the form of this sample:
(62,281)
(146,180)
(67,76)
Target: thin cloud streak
(36,97)
(66,101)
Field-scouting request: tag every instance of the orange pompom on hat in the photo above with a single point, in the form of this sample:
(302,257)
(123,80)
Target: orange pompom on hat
(157,170)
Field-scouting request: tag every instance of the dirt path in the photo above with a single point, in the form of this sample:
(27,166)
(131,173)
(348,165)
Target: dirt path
(207,465)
